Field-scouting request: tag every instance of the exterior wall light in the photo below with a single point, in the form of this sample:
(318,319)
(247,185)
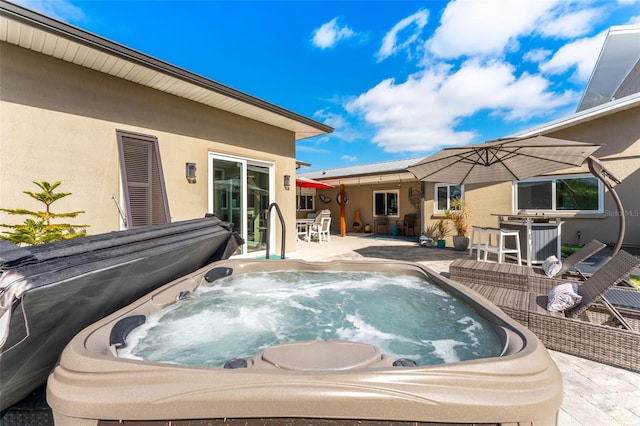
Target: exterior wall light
(287,182)
(191,172)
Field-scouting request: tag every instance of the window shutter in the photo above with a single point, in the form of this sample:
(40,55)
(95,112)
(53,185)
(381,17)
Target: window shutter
(142,180)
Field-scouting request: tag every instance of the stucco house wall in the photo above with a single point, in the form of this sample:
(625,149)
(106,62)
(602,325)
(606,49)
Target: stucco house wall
(620,135)
(59,122)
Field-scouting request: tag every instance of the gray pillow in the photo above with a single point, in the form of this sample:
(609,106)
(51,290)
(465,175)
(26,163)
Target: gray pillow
(551,266)
(563,297)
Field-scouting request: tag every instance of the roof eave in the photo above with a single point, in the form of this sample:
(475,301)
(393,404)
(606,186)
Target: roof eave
(34,19)
(583,116)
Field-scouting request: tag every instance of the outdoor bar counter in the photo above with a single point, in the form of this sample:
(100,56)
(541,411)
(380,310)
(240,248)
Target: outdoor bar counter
(540,234)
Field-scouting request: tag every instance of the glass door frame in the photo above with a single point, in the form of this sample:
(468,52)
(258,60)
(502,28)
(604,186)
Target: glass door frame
(245,162)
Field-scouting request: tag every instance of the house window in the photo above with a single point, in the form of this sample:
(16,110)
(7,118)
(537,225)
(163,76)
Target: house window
(305,202)
(385,203)
(575,193)
(444,194)
(145,196)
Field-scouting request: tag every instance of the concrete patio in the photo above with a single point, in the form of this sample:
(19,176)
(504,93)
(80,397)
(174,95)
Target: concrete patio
(594,393)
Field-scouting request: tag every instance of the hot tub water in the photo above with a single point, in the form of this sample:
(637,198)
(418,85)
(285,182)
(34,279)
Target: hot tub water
(241,315)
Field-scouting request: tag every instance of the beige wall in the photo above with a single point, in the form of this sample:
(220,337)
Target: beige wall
(620,135)
(59,122)
(361,198)
(482,201)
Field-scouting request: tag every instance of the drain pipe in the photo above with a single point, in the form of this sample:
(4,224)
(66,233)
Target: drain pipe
(599,171)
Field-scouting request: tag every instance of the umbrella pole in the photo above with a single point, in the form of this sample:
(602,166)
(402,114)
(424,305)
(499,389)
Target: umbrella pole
(598,170)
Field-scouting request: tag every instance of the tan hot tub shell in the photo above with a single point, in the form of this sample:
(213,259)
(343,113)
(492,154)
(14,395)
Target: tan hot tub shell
(320,380)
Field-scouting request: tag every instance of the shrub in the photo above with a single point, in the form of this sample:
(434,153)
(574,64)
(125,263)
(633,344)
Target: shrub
(38,229)
(459,214)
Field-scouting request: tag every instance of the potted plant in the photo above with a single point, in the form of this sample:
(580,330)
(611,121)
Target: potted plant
(459,214)
(442,230)
(429,235)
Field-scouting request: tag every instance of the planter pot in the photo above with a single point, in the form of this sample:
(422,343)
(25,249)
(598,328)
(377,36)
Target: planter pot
(460,243)
(441,244)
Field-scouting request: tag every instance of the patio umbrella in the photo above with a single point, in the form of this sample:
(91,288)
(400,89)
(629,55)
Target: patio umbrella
(502,160)
(303,182)
(515,159)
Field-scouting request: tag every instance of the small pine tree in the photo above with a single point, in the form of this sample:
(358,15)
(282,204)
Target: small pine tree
(39,229)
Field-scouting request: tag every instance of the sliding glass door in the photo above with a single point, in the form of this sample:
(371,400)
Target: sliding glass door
(240,191)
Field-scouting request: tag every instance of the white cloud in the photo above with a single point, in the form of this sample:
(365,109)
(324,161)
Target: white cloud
(311,149)
(487,27)
(572,24)
(537,55)
(467,74)
(349,158)
(413,25)
(422,113)
(59,9)
(581,54)
(331,33)
(343,129)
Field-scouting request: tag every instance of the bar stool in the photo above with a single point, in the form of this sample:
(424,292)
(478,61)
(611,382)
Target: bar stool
(500,248)
(481,233)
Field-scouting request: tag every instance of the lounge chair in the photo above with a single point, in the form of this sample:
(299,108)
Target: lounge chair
(570,263)
(594,329)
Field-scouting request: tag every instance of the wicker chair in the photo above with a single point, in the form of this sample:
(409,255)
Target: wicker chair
(586,251)
(594,329)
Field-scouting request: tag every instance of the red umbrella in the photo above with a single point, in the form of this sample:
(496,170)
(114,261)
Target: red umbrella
(303,182)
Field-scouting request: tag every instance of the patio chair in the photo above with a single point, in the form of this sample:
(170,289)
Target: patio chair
(409,223)
(317,218)
(381,221)
(321,231)
(594,329)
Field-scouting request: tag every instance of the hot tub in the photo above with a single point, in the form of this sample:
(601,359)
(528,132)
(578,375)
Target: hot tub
(314,381)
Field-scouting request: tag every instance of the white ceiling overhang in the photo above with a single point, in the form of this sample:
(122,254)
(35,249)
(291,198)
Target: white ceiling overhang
(377,179)
(33,31)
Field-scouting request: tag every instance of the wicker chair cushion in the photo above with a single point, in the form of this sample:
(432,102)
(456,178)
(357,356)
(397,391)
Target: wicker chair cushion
(563,297)
(551,266)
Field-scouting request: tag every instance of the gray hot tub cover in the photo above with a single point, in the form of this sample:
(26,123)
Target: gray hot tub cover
(49,292)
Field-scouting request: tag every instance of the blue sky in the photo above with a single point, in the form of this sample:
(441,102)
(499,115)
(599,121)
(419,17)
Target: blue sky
(396,79)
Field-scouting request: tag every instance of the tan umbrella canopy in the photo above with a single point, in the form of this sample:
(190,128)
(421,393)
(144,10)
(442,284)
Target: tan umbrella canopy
(502,160)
